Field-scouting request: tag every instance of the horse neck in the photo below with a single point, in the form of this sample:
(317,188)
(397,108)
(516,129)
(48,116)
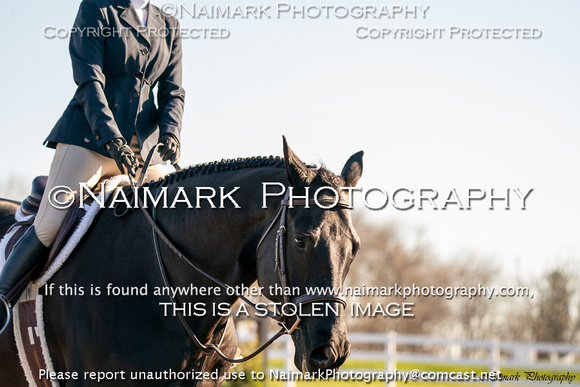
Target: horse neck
(221,241)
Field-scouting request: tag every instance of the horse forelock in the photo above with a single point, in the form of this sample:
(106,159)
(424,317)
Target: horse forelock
(327,178)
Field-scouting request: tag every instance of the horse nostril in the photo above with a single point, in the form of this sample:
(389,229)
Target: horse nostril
(323,357)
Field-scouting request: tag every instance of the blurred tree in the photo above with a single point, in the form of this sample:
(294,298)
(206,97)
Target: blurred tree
(551,320)
(475,316)
(14,187)
(550,315)
(385,260)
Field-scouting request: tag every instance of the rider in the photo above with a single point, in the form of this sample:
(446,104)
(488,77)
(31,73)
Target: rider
(120,51)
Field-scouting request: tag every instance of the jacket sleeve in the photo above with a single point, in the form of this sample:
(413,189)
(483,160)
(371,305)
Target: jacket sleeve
(170,94)
(87,51)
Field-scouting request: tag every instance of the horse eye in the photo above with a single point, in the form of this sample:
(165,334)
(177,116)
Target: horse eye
(300,243)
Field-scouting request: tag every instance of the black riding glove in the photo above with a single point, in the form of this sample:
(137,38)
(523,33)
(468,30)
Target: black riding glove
(123,156)
(170,149)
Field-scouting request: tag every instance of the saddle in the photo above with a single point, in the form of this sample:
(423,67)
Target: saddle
(29,208)
(28,313)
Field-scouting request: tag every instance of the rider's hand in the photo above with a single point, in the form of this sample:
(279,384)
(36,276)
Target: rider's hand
(123,156)
(169,150)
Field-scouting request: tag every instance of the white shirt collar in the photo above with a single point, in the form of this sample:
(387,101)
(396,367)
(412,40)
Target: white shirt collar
(141,8)
(140,4)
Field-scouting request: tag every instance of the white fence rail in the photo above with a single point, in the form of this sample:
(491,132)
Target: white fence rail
(492,355)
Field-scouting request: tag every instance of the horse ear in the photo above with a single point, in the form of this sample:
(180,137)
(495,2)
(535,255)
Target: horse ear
(298,173)
(352,170)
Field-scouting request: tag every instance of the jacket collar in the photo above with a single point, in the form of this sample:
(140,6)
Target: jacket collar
(154,19)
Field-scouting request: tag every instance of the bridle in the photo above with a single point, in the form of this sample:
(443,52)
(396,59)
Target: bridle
(280,254)
(280,267)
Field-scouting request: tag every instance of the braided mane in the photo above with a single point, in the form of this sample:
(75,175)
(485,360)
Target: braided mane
(220,166)
(241,163)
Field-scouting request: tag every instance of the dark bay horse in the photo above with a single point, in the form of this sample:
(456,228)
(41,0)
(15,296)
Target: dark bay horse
(100,332)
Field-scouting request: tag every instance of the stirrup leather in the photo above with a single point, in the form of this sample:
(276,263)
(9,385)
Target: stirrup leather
(8,313)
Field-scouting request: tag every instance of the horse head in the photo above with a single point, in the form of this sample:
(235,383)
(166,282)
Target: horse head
(319,246)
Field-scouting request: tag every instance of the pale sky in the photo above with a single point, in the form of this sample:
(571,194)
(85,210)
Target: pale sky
(432,113)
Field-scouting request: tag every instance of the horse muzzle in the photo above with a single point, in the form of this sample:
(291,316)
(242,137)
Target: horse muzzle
(328,355)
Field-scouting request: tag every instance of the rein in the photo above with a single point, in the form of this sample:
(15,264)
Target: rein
(280,268)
